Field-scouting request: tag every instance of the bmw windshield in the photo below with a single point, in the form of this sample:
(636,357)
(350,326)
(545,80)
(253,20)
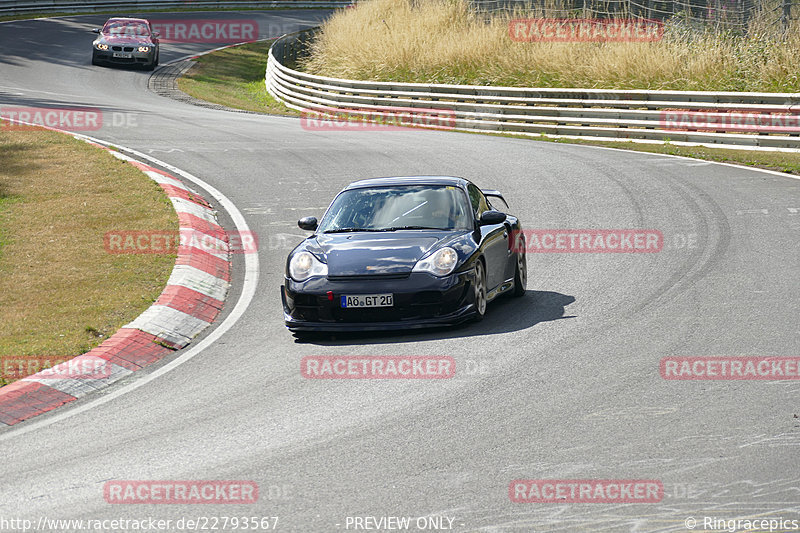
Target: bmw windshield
(397,208)
(126,28)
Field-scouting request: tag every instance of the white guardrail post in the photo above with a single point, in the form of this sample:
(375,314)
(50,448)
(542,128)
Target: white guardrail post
(752,121)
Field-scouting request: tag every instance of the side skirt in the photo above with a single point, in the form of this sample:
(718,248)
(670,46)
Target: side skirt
(506,286)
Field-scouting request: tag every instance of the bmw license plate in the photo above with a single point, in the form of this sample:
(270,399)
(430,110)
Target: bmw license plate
(123,55)
(368,300)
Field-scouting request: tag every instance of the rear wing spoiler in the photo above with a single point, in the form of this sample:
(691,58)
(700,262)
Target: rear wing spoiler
(494,194)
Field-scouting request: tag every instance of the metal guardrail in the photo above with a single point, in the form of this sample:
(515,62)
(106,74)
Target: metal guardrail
(24,7)
(767,121)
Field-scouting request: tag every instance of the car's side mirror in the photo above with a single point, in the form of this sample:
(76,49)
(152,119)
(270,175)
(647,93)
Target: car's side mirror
(492,217)
(308,223)
(95,30)
(156,34)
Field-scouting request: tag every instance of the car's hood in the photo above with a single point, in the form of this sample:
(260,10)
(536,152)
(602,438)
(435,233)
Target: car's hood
(125,40)
(359,254)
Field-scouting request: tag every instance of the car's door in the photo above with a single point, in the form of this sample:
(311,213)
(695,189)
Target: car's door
(510,223)
(494,240)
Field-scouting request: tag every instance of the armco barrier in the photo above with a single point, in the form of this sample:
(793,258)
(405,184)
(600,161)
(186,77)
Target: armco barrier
(754,121)
(23,7)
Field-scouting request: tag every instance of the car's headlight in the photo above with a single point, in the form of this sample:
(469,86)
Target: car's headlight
(101,46)
(144,48)
(304,265)
(439,263)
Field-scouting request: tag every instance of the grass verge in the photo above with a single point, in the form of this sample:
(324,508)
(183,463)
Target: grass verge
(233,77)
(61,294)
(778,161)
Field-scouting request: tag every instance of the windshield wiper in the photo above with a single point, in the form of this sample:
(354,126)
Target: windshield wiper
(346,230)
(396,228)
(393,228)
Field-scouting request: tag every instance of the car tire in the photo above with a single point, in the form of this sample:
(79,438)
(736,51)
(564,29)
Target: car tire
(521,270)
(95,61)
(149,66)
(480,291)
(158,55)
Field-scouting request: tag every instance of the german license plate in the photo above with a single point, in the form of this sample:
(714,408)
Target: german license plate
(123,55)
(367,300)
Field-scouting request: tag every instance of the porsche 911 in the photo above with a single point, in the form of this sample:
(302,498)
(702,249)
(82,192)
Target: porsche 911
(403,252)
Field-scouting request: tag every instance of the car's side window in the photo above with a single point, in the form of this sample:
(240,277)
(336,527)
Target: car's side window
(478,200)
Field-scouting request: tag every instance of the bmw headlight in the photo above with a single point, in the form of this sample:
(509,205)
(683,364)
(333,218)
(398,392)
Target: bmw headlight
(101,46)
(440,263)
(144,48)
(304,265)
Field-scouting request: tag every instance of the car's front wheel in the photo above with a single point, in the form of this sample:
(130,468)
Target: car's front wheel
(480,291)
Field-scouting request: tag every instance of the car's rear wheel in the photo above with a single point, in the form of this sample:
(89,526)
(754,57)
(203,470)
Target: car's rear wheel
(521,271)
(480,291)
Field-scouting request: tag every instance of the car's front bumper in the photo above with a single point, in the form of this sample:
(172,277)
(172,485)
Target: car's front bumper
(420,301)
(136,58)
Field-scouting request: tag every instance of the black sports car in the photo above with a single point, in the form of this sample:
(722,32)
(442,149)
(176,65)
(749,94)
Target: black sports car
(126,41)
(405,252)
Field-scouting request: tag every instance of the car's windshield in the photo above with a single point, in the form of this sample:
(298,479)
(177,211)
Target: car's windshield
(119,27)
(399,207)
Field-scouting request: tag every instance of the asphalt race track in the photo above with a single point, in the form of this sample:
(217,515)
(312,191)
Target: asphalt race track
(561,384)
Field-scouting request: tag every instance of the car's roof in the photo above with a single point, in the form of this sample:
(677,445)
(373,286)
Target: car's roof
(126,19)
(408,180)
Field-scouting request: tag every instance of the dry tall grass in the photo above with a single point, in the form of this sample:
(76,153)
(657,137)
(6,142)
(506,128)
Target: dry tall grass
(443,41)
